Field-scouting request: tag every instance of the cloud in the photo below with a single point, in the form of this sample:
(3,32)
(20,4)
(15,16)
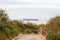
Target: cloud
(23,2)
(29,6)
(41,1)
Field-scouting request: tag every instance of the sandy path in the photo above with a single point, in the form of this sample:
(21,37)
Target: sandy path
(29,37)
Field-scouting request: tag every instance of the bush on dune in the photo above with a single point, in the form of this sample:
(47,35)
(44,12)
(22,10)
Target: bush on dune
(11,28)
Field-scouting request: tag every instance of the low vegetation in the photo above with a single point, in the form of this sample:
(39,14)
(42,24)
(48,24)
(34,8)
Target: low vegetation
(11,28)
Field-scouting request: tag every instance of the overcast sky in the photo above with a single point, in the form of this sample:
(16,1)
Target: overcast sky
(42,10)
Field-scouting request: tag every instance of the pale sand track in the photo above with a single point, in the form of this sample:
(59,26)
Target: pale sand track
(30,37)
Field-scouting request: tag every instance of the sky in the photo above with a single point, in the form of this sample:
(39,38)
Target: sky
(43,10)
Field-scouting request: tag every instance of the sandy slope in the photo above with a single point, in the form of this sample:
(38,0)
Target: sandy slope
(29,37)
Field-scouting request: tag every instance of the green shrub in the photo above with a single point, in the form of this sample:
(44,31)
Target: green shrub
(51,36)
